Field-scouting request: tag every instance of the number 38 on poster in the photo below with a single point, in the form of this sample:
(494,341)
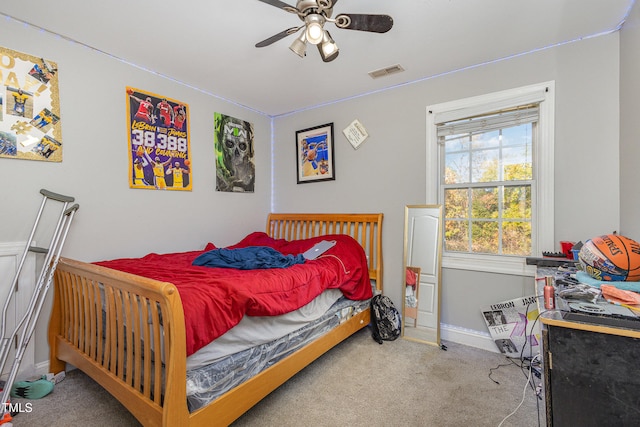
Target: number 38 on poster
(160,141)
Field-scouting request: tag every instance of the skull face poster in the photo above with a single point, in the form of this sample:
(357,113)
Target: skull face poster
(159,150)
(30,125)
(233,143)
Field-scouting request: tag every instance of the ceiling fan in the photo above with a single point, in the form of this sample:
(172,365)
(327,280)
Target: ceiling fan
(314,14)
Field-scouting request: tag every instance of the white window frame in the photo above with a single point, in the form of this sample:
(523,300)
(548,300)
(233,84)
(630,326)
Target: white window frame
(543,204)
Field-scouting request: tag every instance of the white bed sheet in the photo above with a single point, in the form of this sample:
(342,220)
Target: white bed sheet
(257,330)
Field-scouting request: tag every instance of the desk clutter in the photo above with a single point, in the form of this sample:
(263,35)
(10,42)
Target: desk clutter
(602,279)
(590,339)
(580,297)
(610,257)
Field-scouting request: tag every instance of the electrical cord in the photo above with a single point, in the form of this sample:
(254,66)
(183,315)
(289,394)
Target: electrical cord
(343,267)
(530,363)
(524,394)
(537,389)
(531,357)
(496,368)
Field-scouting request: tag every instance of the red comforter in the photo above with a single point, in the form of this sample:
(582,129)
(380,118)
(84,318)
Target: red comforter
(215,299)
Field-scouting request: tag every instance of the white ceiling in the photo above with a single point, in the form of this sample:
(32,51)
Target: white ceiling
(210,44)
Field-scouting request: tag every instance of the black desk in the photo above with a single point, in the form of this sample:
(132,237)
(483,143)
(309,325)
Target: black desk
(591,368)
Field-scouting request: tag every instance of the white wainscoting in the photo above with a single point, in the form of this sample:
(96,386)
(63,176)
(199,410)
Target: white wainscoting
(10,255)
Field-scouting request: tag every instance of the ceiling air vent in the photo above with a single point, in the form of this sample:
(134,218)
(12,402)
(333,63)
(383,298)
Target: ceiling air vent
(386,71)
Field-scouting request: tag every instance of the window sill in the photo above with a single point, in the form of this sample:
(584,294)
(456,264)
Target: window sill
(490,264)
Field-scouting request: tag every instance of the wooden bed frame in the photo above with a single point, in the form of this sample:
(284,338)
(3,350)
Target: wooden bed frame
(78,335)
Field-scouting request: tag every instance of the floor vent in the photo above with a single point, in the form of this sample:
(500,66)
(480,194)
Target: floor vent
(386,71)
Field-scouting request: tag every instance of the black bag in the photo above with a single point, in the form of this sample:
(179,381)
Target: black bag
(386,321)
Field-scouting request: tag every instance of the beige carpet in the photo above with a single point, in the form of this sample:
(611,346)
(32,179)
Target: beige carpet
(358,383)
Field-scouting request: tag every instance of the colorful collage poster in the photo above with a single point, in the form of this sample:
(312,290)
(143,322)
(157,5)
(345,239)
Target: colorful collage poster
(30,125)
(513,326)
(159,149)
(233,144)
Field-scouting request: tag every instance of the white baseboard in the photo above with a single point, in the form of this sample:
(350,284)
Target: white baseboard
(470,337)
(39,369)
(42,368)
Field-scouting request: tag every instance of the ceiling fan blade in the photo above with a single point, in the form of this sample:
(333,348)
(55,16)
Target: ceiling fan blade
(280,5)
(364,22)
(274,38)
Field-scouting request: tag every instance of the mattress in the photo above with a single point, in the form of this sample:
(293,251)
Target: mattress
(258,330)
(208,382)
(256,343)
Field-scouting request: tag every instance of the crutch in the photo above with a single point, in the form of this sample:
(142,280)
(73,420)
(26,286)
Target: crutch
(28,322)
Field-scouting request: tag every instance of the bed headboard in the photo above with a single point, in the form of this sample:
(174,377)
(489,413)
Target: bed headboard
(365,228)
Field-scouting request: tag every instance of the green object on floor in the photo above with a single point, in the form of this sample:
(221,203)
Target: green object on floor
(32,389)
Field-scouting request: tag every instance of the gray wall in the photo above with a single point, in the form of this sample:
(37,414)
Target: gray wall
(387,171)
(113,220)
(630,126)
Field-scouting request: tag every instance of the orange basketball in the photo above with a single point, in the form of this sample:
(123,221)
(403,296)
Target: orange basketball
(129,91)
(187,162)
(611,257)
(139,151)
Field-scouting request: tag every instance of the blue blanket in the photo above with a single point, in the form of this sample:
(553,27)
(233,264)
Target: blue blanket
(625,286)
(249,258)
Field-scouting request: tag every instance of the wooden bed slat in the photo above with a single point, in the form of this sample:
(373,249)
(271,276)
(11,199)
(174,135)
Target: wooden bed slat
(119,328)
(146,349)
(100,331)
(157,373)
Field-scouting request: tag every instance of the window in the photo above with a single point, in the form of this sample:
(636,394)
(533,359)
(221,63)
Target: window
(486,182)
(491,167)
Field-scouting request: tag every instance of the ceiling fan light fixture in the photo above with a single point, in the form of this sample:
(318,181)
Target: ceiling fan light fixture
(299,45)
(315,14)
(314,30)
(328,48)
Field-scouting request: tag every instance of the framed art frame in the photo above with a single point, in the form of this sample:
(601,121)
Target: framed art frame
(30,119)
(314,154)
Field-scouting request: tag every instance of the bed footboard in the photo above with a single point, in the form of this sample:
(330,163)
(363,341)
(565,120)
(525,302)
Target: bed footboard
(118,328)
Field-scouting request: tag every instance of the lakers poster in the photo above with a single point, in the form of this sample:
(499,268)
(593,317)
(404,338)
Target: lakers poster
(30,126)
(159,150)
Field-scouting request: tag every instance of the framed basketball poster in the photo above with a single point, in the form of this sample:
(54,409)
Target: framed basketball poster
(30,125)
(159,149)
(314,154)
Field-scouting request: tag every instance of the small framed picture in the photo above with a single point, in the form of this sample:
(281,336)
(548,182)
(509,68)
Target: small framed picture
(314,154)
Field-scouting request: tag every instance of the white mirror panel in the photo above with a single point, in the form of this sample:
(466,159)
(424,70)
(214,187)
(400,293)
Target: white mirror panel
(422,262)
